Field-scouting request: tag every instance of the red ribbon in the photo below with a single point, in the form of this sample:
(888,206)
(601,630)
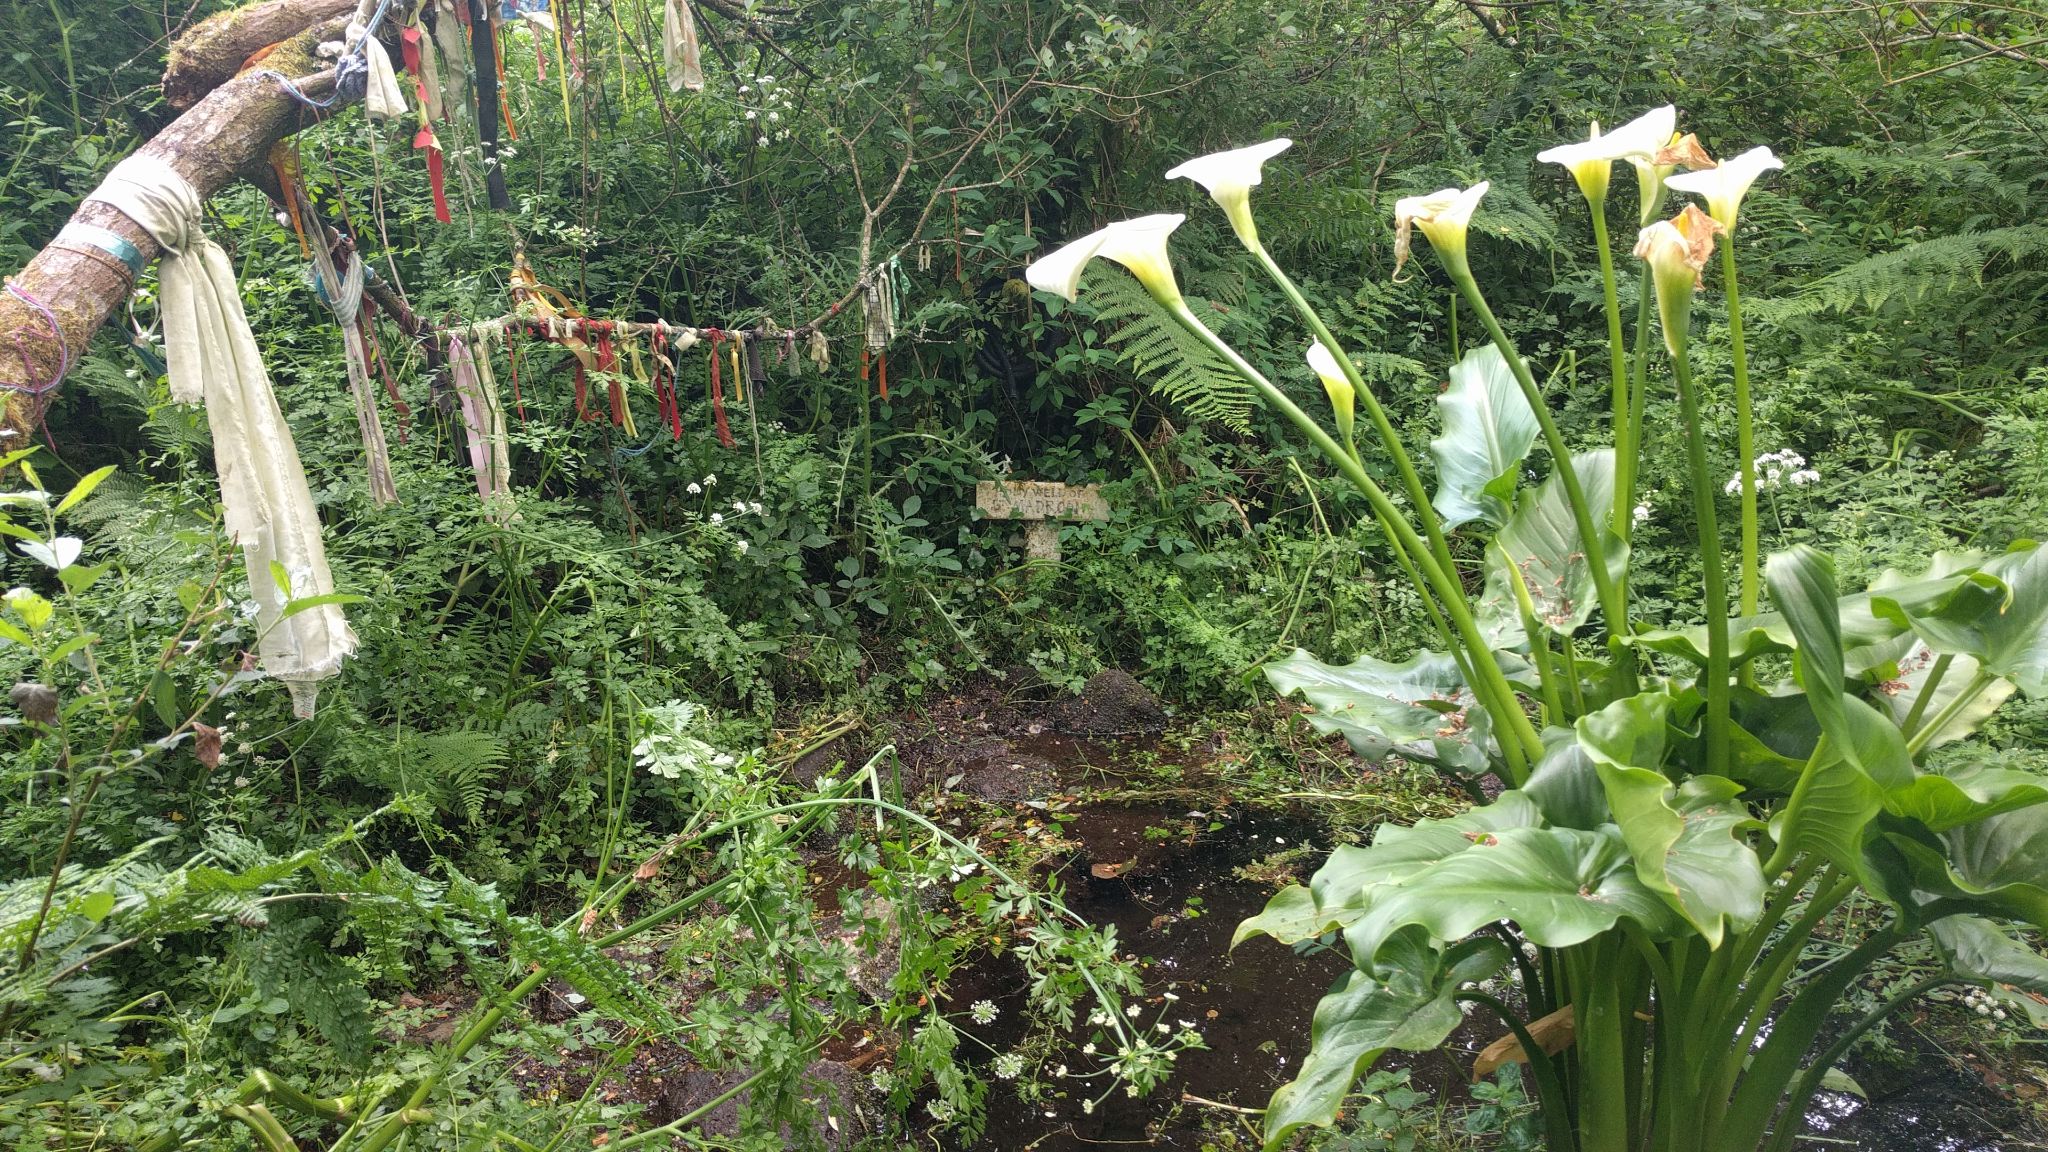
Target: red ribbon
(436,175)
(718,392)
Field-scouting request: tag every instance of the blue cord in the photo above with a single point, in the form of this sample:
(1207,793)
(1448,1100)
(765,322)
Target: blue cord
(351,72)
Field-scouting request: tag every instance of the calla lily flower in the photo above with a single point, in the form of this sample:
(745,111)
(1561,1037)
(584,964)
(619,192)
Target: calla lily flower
(1591,161)
(1724,187)
(1443,216)
(1230,177)
(1676,250)
(1343,398)
(1682,152)
(1139,245)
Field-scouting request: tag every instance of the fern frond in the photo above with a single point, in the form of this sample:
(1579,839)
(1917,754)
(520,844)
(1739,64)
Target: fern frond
(1179,367)
(456,767)
(1907,274)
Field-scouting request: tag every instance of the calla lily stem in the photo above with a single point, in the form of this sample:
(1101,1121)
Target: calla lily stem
(1745,430)
(1712,575)
(1411,480)
(1519,743)
(1617,359)
(1582,515)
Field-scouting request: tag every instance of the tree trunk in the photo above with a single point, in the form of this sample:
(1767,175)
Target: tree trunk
(228,132)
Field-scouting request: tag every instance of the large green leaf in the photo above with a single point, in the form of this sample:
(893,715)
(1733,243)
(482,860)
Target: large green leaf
(1871,623)
(1344,886)
(1488,430)
(1830,812)
(1959,796)
(1405,1002)
(1560,885)
(1802,583)
(2016,639)
(1418,709)
(1683,840)
(1979,950)
(2004,860)
(1542,540)
(1289,917)
(1564,784)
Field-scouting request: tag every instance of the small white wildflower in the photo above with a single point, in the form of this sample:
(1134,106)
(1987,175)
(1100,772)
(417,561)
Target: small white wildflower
(1088,1049)
(1132,1011)
(1642,513)
(763,141)
(751,113)
(1804,477)
(244,748)
(1087,1107)
(694,488)
(741,545)
(1131,1090)
(983,1012)
(711,481)
(1170,997)
(941,1110)
(1188,1024)
(717,518)
(774,116)
(1098,1017)
(1161,1028)
(1060,1071)
(1998,1013)
(1008,1066)
(755,508)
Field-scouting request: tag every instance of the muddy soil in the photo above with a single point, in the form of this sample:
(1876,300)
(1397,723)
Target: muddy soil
(1175,902)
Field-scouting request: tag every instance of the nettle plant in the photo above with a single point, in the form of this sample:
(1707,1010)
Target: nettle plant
(1680,817)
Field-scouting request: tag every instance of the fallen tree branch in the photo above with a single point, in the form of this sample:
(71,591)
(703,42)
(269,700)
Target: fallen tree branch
(228,132)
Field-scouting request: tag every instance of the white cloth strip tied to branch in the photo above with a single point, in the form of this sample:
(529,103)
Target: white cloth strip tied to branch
(383,99)
(483,419)
(344,294)
(679,47)
(213,358)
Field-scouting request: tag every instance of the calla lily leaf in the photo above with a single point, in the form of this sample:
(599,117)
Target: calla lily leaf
(1560,886)
(1488,431)
(2016,638)
(1902,692)
(1418,708)
(1565,785)
(1346,884)
(1405,1002)
(1951,799)
(1978,949)
(1542,539)
(1683,839)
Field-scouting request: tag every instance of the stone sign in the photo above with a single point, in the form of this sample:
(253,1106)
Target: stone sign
(1040,504)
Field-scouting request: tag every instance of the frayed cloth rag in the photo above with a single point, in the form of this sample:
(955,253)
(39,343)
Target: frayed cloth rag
(213,359)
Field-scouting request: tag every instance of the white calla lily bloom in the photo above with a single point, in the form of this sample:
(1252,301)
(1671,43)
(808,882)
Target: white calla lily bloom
(1443,216)
(1676,251)
(1591,161)
(1724,187)
(1139,245)
(1343,397)
(1230,177)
